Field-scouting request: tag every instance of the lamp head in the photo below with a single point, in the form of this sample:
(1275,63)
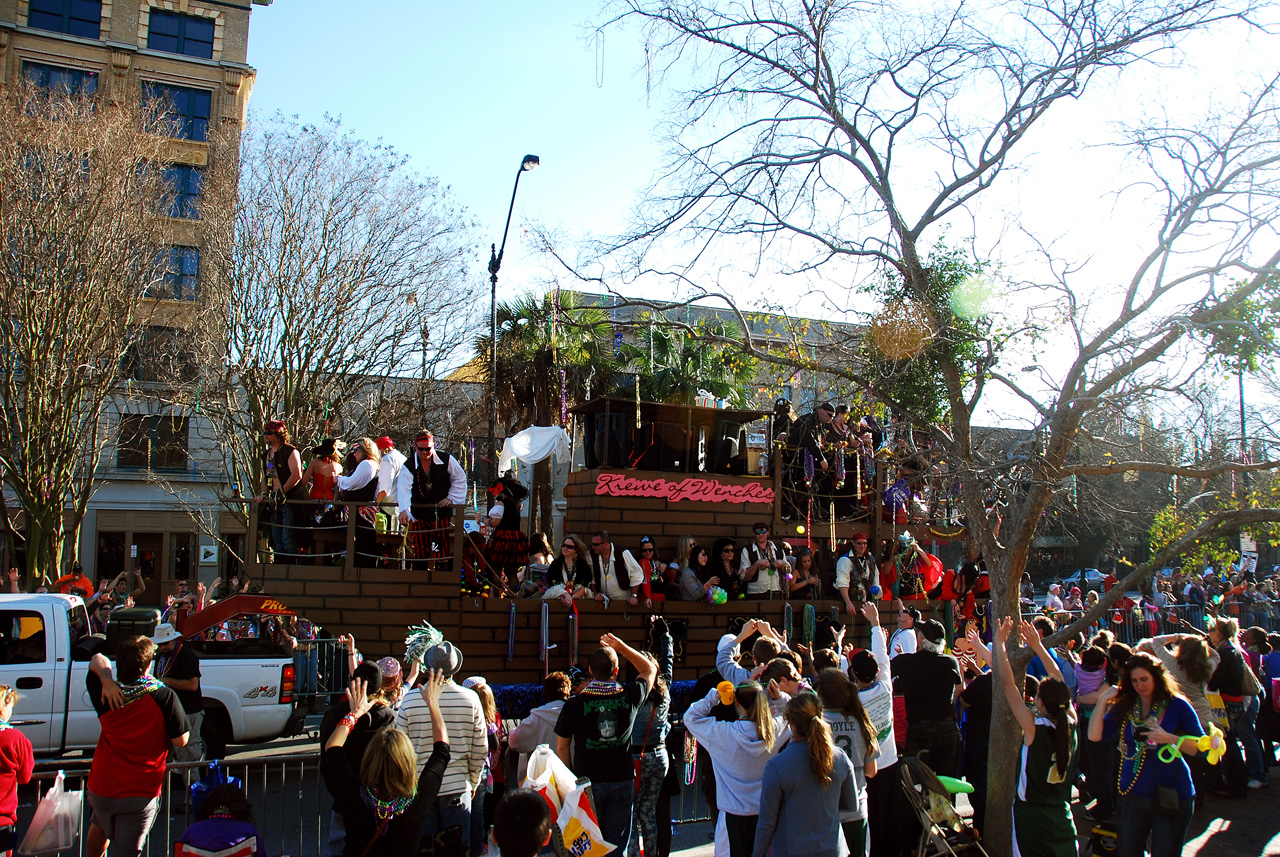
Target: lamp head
(530,162)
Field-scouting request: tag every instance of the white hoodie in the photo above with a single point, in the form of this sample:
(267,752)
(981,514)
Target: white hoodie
(737,753)
(538,728)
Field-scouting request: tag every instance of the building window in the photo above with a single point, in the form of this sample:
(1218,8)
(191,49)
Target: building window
(74,17)
(71,81)
(149,441)
(185,111)
(175,33)
(185,183)
(180,273)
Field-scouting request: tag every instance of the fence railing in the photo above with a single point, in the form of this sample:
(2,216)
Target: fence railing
(292,807)
(1136,623)
(291,804)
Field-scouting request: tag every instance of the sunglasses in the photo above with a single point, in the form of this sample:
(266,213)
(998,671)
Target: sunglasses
(761,531)
(726,550)
(423,448)
(596,544)
(569,546)
(646,550)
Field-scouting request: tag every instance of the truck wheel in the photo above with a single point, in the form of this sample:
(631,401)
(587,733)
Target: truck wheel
(214,734)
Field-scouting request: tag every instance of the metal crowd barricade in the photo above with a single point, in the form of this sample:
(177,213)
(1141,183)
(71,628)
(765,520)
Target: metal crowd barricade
(291,805)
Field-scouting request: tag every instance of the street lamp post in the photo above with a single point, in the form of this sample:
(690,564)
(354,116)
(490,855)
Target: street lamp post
(529,163)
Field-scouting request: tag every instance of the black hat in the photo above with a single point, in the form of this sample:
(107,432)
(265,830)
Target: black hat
(372,675)
(863,666)
(327,447)
(932,631)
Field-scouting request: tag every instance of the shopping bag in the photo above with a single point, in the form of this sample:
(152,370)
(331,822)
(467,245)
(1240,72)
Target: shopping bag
(579,828)
(549,777)
(56,824)
(1218,709)
(213,777)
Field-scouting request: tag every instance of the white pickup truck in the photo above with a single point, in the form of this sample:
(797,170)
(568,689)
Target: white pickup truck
(44,654)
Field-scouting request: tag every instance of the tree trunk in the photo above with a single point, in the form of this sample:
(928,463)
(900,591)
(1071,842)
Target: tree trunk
(44,542)
(541,499)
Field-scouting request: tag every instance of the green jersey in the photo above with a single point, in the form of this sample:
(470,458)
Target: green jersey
(1038,779)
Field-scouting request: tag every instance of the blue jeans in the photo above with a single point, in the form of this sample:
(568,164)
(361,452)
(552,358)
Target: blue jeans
(1135,821)
(613,812)
(1247,730)
(305,669)
(449,811)
(283,535)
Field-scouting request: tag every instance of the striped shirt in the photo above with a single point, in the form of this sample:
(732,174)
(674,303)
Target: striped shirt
(468,741)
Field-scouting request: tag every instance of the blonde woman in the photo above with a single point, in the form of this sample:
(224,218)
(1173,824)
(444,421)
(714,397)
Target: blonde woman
(383,808)
(362,486)
(684,548)
(805,789)
(739,752)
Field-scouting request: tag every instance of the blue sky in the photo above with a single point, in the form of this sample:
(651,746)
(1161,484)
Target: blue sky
(467,89)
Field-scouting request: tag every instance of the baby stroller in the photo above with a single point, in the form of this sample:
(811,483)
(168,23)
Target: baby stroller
(943,831)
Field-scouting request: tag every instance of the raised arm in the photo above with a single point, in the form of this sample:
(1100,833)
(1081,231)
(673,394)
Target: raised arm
(1031,637)
(1100,712)
(646,670)
(979,647)
(1017,704)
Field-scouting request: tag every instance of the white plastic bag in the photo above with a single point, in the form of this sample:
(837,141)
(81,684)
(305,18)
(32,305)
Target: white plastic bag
(56,824)
(579,827)
(549,776)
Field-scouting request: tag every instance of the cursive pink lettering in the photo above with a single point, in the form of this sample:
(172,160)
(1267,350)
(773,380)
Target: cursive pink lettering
(692,489)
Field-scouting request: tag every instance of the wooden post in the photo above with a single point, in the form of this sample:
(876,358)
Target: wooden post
(350,562)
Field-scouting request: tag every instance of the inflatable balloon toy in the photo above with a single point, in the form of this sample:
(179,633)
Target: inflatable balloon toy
(875,591)
(716,595)
(1213,746)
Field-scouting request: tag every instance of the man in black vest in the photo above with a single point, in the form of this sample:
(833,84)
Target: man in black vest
(428,486)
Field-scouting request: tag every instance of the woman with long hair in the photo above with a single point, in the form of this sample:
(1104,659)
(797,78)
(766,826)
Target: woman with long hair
(804,579)
(1042,823)
(570,571)
(650,814)
(853,732)
(697,578)
(739,751)
(384,807)
(1242,711)
(805,789)
(1155,796)
(724,566)
(684,547)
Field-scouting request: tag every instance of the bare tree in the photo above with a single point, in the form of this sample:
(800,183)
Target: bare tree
(342,289)
(83,209)
(834,131)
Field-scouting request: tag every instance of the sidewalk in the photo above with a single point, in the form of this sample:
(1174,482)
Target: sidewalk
(1223,828)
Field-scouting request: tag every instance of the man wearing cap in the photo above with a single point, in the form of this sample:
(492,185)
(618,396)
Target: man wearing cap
(389,470)
(468,744)
(903,641)
(178,668)
(762,564)
(425,490)
(75,583)
(929,681)
(856,573)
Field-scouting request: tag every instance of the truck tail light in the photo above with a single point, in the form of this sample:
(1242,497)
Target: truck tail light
(287,684)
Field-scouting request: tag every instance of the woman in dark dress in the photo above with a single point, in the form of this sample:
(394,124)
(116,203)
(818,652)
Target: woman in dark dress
(384,809)
(572,570)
